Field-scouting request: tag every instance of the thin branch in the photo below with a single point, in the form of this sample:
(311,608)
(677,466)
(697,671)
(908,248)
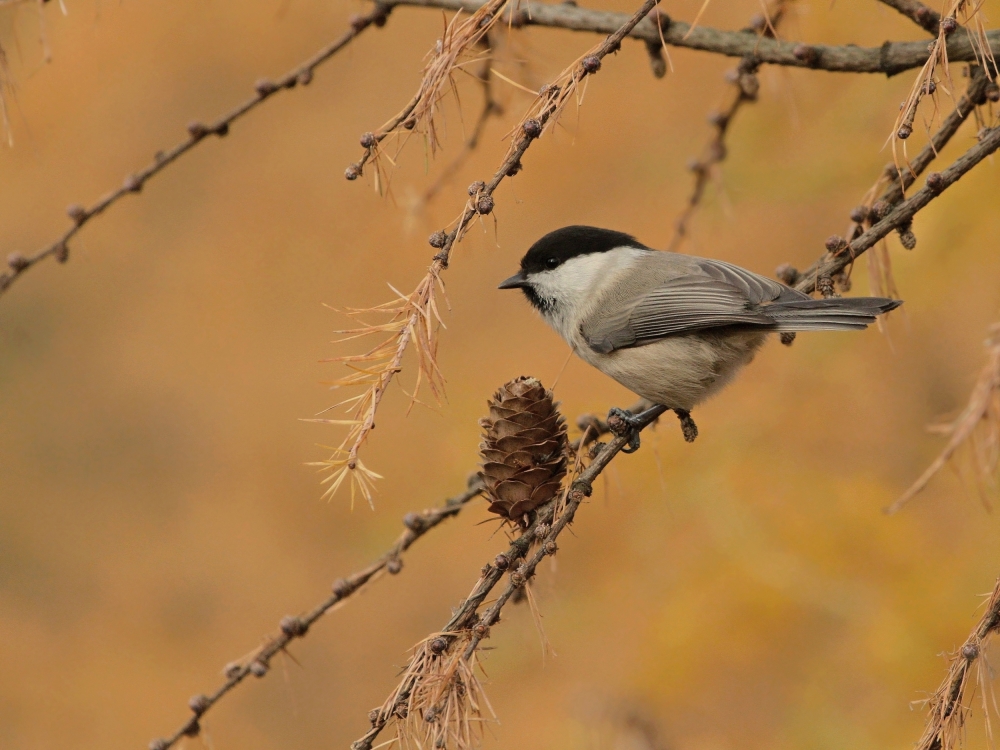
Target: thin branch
(465,625)
(258,662)
(917,12)
(197,132)
(900,215)
(745,87)
(947,711)
(891,58)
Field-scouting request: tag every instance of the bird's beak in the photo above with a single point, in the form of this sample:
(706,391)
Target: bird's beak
(517,281)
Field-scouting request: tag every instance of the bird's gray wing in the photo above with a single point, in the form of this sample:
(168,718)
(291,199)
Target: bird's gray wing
(684,304)
(758,289)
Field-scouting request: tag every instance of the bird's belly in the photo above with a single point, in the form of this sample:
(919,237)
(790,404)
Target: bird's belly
(680,371)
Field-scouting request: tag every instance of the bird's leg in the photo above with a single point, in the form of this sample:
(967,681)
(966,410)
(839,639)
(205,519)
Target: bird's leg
(688,427)
(626,424)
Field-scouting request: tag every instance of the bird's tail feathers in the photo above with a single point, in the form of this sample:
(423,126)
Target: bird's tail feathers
(831,314)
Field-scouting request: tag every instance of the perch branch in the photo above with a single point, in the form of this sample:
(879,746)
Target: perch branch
(550,520)
(197,132)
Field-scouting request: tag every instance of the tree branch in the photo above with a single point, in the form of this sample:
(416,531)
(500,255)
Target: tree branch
(197,132)
(549,521)
(257,664)
(901,214)
(891,58)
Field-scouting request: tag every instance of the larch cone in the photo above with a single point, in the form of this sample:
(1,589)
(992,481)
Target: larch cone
(523,450)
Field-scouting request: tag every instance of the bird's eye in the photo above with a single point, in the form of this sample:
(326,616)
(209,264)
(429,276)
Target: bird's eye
(551,263)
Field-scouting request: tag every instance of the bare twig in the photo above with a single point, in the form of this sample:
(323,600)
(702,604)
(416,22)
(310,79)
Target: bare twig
(901,214)
(891,58)
(258,661)
(744,90)
(466,627)
(197,132)
(947,711)
(980,415)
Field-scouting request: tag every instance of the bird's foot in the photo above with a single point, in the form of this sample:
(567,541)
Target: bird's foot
(624,424)
(688,427)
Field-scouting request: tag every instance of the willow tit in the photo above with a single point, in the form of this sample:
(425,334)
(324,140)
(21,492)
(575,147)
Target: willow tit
(674,329)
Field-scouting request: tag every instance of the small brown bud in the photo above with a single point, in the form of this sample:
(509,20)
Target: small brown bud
(542,530)
(292,626)
(906,237)
(948,25)
(438,646)
(17,262)
(437,240)
(480,630)
(77,213)
(880,210)
(923,13)
(353,172)
(596,448)
(518,19)
(158,744)
(222,130)
(476,186)
(394,565)
(305,77)
(368,140)
(835,243)
(429,715)
(232,669)
(62,252)
(132,183)
(199,704)
(904,132)
(591,64)
(401,710)
(517,578)
(440,743)
(193,728)
(717,119)
(358,22)
(550,548)
(935,182)
(930,87)
(258,668)
(373,716)
(264,87)
(501,561)
(485,570)
(197,130)
(532,128)
(824,285)
(806,53)
(787,337)
(413,521)
(749,86)
(514,169)
(695,165)
(758,22)
(342,587)
(970,651)
(859,214)
(787,274)
(992,91)
(485,205)
(381,14)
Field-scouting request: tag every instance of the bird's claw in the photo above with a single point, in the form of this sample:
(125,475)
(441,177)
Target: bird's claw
(625,424)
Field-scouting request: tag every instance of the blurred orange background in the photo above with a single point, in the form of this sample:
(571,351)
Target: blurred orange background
(156,514)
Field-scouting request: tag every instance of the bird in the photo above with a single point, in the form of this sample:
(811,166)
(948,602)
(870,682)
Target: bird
(674,329)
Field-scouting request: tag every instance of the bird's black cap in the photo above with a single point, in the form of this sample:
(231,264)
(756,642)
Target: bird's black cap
(558,246)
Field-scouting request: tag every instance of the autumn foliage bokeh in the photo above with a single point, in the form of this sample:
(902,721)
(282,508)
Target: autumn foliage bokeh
(156,514)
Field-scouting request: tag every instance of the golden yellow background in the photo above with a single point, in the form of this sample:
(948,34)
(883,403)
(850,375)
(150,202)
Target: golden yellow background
(156,514)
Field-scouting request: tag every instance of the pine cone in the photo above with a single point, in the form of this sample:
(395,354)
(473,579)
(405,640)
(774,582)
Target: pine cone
(523,449)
